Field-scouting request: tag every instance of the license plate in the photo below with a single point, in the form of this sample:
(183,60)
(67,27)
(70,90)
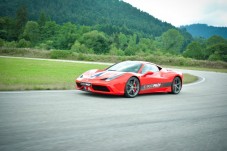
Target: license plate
(85,84)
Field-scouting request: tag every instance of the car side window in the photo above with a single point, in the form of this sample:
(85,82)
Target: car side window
(149,67)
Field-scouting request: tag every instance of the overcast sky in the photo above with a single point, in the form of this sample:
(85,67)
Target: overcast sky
(184,12)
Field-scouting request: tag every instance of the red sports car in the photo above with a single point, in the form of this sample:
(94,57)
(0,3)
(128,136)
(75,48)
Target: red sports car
(130,78)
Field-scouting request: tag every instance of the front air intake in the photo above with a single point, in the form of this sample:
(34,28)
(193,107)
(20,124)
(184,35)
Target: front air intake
(78,85)
(100,88)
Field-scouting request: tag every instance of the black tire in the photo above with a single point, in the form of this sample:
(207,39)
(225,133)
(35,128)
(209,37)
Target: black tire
(176,85)
(132,87)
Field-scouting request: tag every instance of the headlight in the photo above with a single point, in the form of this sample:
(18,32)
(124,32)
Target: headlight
(113,77)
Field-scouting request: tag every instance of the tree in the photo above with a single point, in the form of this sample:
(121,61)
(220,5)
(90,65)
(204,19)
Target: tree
(218,52)
(214,57)
(49,30)
(66,36)
(215,44)
(42,19)
(80,48)
(172,41)
(23,43)
(3,32)
(132,47)
(96,41)
(115,51)
(7,28)
(194,50)
(187,39)
(31,32)
(123,41)
(215,40)
(146,45)
(21,19)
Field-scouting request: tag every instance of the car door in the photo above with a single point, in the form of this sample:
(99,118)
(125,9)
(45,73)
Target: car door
(152,79)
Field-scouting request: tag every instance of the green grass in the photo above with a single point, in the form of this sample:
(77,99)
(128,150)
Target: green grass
(24,74)
(27,74)
(188,78)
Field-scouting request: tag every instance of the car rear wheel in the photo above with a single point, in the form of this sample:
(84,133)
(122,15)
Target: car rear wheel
(132,87)
(176,85)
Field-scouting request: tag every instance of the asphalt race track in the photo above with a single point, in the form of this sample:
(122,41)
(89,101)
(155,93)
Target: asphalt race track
(194,120)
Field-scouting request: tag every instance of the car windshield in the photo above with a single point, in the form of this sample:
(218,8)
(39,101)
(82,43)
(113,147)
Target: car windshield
(127,66)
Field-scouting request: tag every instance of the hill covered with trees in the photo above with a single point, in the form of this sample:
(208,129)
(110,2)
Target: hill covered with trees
(99,27)
(205,31)
(110,14)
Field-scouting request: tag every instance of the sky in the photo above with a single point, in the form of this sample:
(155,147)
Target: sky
(185,12)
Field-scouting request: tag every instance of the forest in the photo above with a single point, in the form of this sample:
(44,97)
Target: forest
(102,33)
(203,30)
(90,13)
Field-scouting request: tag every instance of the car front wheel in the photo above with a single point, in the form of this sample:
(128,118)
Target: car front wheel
(132,87)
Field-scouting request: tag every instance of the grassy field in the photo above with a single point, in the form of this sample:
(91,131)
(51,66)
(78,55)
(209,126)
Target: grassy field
(188,78)
(23,74)
(27,74)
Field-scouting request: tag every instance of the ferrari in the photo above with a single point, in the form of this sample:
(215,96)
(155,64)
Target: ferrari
(130,78)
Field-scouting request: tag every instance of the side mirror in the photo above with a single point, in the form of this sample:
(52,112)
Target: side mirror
(148,73)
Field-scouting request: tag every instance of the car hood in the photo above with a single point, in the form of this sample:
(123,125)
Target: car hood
(95,74)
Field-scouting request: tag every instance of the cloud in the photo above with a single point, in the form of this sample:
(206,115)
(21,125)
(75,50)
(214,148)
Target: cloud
(182,12)
(216,13)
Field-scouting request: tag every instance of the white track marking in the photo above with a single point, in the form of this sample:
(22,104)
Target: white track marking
(59,60)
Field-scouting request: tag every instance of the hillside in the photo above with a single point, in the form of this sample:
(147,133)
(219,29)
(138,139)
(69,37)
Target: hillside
(90,12)
(110,27)
(203,30)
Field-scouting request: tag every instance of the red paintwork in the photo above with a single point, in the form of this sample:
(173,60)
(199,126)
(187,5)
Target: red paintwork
(117,86)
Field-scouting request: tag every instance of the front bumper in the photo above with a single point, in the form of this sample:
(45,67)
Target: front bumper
(101,86)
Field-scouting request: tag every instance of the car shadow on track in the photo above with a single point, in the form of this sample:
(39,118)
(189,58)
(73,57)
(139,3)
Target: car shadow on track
(107,96)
